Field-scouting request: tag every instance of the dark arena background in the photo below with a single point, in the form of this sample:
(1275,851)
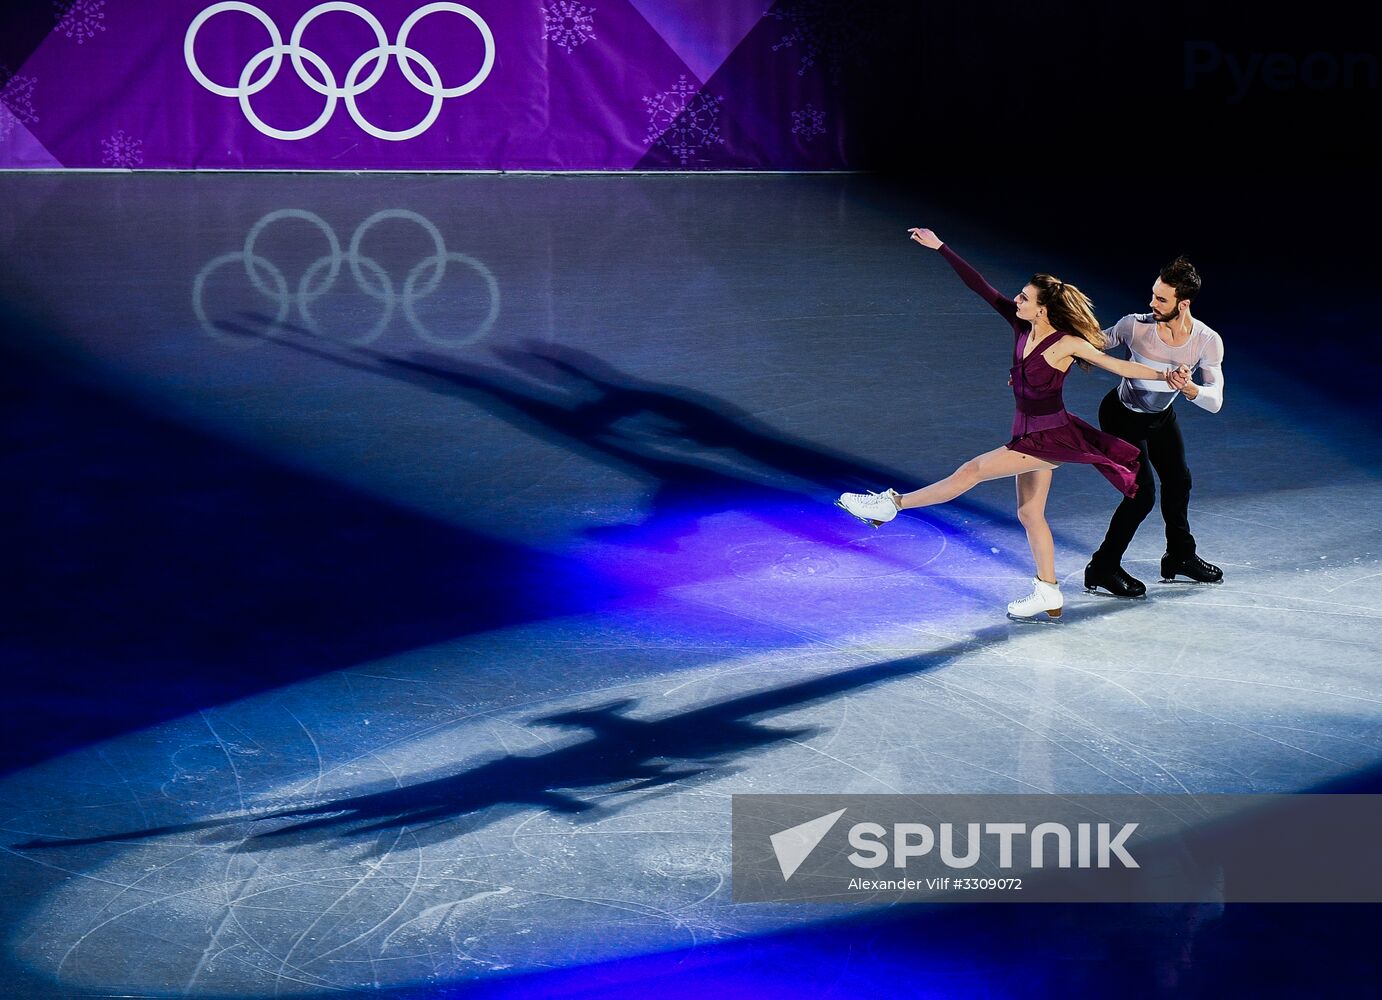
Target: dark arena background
(417,486)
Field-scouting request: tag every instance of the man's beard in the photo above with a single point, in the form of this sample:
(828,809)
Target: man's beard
(1163,317)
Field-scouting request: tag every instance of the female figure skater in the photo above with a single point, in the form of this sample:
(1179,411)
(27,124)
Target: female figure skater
(1054,327)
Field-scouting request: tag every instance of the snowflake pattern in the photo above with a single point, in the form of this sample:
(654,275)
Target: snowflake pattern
(569,23)
(683,120)
(80,19)
(16,102)
(122,150)
(808,123)
(829,32)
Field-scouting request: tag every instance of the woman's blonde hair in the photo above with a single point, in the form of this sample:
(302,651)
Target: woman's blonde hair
(1069,310)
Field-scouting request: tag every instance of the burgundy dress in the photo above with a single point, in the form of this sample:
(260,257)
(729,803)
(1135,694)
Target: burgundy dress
(1042,427)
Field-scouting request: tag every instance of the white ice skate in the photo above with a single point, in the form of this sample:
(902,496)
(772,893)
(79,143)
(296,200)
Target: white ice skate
(1045,597)
(871,508)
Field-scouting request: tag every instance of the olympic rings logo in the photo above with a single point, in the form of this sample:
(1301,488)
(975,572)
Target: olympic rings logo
(320,277)
(324,81)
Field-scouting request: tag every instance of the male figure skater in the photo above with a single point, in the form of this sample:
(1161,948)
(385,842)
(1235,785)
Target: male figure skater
(1140,412)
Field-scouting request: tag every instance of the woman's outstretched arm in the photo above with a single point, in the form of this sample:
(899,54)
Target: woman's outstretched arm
(1072,346)
(972,278)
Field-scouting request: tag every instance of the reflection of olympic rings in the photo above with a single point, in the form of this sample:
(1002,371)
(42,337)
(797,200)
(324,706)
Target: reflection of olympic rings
(320,276)
(324,80)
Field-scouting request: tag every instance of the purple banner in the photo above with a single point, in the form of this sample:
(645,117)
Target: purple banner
(417,85)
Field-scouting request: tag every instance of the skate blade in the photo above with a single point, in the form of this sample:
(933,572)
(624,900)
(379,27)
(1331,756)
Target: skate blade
(866,520)
(1040,618)
(1195,583)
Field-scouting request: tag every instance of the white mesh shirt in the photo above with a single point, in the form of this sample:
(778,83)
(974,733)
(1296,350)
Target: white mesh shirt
(1203,353)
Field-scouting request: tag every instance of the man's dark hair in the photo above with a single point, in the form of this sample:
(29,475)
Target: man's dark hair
(1181,275)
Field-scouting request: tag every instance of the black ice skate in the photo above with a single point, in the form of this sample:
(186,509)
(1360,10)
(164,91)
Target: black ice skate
(1118,581)
(1192,566)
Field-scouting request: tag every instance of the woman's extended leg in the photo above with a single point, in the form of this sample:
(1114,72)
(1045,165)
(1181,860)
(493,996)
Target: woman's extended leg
(996,464)
(1032,490)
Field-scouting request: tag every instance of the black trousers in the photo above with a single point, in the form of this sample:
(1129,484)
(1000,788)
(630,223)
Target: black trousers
(1158,436)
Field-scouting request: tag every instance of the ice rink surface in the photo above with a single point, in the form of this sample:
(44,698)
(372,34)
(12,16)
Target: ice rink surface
(410,569)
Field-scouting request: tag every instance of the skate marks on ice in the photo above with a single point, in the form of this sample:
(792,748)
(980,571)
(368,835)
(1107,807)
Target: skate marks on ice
(457,874)
(221,854)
